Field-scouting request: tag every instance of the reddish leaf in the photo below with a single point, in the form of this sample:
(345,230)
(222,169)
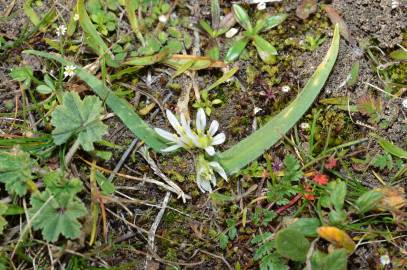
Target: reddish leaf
(331,163)
(337,19)
(306,8)
(320,178)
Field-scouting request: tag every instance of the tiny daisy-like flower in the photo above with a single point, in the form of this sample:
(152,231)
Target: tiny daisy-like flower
(69,71)
(162,18)
(61,30)
(404,103)
(285,89)
(76,17)
(205,173)
(188,138)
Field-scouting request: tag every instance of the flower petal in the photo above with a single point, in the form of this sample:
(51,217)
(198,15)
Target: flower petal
(171,148)
(219,139)
(213,127)
(219,169)
(173,121)
(204,185)
(166,135)
(210,150)
(201,120)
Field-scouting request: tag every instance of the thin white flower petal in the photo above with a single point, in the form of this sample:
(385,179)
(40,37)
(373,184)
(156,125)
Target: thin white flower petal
(171,148)
(219,139)
(201,120)
(219,169)
(166,135)
(173,121)
(204,186)
(192,137)
(213,127)
(210,150)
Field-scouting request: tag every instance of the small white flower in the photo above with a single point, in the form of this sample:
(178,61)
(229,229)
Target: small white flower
(261,6)
(304,126)
(385,260)
(404,103)
(256,110)
(205,173)
(61,30)
(188,138)
(285,89)
(69,71)
(162,18)
(231,33)
(76,17)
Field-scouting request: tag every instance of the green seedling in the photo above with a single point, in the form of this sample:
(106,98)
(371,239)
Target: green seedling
(48,87)
(312,43)
(265,50)
(217,29)
(205,103)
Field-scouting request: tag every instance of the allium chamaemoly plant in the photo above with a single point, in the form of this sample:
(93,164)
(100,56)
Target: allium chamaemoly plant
(197,137)
(238,156)
(265,50)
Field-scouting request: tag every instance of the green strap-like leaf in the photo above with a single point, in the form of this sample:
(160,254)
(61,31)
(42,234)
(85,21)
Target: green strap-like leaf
(253,146)
(273,21)
(118,105)
(236,49)
(264,48)
(242,18)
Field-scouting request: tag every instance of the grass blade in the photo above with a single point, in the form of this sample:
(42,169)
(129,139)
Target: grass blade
(130,7)
(118,105)
(94,39)
(222,79)
(253,146)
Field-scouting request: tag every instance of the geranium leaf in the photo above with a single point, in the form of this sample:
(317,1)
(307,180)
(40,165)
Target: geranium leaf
(15,170)
(80,118)
(56,214)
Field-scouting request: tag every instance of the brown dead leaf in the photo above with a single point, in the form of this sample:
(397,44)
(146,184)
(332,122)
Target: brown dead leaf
(76,87)
(337,19)
(306,8)
(394,198)
(337,237)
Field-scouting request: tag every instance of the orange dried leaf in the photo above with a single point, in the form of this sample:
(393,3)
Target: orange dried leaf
(337,237)
(394,198)
(337,19)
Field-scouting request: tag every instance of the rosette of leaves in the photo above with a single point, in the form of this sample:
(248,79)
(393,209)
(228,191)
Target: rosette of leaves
(216,29)
(78,118)
(265,50)
(16,170)
(56,210)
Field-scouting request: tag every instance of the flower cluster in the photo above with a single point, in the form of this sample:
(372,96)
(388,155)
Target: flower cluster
(188,138)
(199,137)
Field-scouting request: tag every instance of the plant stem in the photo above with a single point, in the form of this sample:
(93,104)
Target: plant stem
(71,152)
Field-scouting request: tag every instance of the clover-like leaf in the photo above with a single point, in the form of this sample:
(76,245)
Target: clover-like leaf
(80,118)
(56,214)
(15,170)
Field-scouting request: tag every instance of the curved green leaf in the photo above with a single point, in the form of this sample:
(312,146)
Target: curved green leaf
(118,105)
(264,48)
(273,21)
(253,146)
(236,49)
(390,148)
(241,17)
(292,244)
